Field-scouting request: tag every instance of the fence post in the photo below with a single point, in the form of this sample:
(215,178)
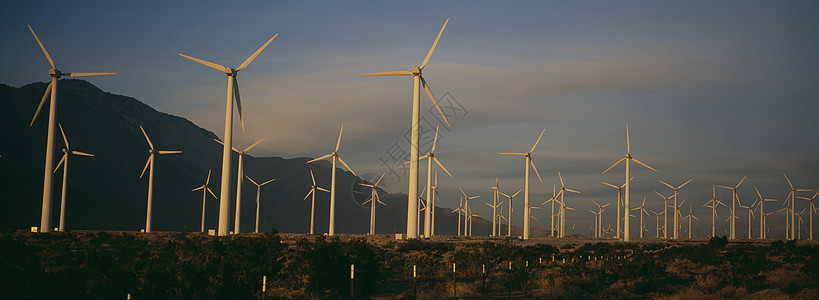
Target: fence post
(264,286)
(352,281)
(454,284)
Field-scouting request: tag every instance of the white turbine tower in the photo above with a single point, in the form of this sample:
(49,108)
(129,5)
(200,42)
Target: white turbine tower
(418,80)
(509,228)
(763,218)
(528,161)
(232,93)
(239,181)
(374,200)
(563,207)
(205,190)
(675,203)
(64,162)
(431,157)
(150,163)
(628,158)
(51,91)
(334,155)
(734,198)
(811,211)
(619,205)
(312,192)
(494,206)
(258,194)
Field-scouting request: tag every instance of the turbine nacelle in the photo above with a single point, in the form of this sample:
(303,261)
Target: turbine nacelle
(416,71)
(56,73)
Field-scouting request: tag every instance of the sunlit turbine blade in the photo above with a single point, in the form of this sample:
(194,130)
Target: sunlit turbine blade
(61,162)
(146,137)
(367,185)
(269,181)
(644,165)
(63,133)
(434,101)
(462,192)
(628,141)
(379,179)
(506,153)
(252,57)
(251,180)
(434,44)
(199,188)
(573,191)
(682,185)
(254,145)
(204,62)
(615,164)
(789,181)
(442,166)
(238,102)
(394,73)
(207,181)
(740,182)
(220,143)
(435,140)
(725,187)
(322,189)
(611,185)
(150,158)
(532,162)
(320,158)
(73,74)
(668,185)
(338,144)
(211,193)
(313,177)
(308,194)
(169,152)
(538,140)
(82,153)
(51,62)
(345,165)
(45,96)
(561,179)
(516,193)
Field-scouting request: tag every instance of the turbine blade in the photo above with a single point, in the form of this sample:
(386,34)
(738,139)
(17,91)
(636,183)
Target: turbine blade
(431,49)
(207,181)
(90,74)
(204,62)
(538,140)
(82,153)
(573,191)
(252,57)
(532,162)
(379,179)
(322,189)
(435,140)
(150,158)
(308,194)
(393,73)
(60,163)
(146,138)
(51,62)
(561,179)
(320,158)
(211,193)
(199,188)
(682,185)
(615,164)
(442,166)
(507,153)
(269,181)
(644,165)
(611,185)
(516,193)
(254,145)
(345,165)
(668,185)
(251,180)
(63,133)
(39,107)
(740,182)
(462,192)
(628,141)
(238,102)
(313,177)
(789,181)
(169,152)
(432,97)
(338,144)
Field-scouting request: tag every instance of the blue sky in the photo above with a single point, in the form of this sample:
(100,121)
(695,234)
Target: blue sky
(711,90)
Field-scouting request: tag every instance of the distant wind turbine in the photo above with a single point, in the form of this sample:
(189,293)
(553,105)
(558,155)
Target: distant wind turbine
(509,228)
(467,209)
(563,206)
(762,216)
(258,194)
(553,199)
(374,200)
(641,210)
(64,162)
(232,93)
(628,158)
(51,90)
(205,190)
(619,204)
(676,227)
(494,206)
(811,211)
(712,204)
(150,163)
(418,80)
(312,192)
(600,209)
(334,155)
(528,161)
(692,216)
(239,182)
(431,156)
(734,199)
(792,203)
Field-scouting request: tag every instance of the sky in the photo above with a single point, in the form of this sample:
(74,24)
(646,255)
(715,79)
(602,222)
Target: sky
(710,90)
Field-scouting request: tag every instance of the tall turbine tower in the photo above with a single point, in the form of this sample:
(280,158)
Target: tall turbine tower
(374,200)
(258,194)
(563,207)
(312,192)
(509,228)
(51,90)
(628,158)
(811,210)
(528,161)
(64,162)
(232,93)
(734,199)
(150,163)
(334,155)
(791,212)
(675,204)
(430,204)
(205,190)
(418,80)
(239,181)
(619,205)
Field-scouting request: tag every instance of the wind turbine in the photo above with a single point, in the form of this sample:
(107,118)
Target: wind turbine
(494,206)
(750,209)
(619,203)
(763,218)
(553,199)
(628,158)
(641,210)
(596,227)
(431,157)
(712,204)
(811,210)
(418,80)
(799,230)
(467,209)
(64,161)
(434,197)
(692,216)
(658,221)
(334,155)
(205,190)
(232,93)
(150,163)
(459,210)
(792,196)
(239,182)
(258,194)
(529,161)
(563,206)
(676,227)
(734,198)
(374,200)
(665,214)
(599,214)
(509,228)
(312,191)
(51,90)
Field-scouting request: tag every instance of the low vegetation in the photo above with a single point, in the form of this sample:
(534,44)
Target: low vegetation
(193,266)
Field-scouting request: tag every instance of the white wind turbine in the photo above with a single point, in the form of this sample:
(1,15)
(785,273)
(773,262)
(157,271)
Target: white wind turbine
(374,200)
(811,210)
(205,190)
(460,210)
(628,158)
(692,216)
(495,204)
(528,160)
(232,93)
(431,157)
(467,210)
(675,233)
(641,210)
(553,199)
(750,209)
(619,203)
(665,214)
(239,182)
(434,197)
(334,155)
(799,229)
(150,163)
(64,162)
(599,214)
(501,217)
(792,207)
(658,222)
(734,198)
(563,206)
(762,216)
(509,228)
(712,204)
(677,210)
(51,90)
(312,192)
(418,80)
(596,227)
(258,194)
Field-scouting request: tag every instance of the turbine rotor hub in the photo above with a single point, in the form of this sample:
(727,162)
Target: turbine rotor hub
(416,71)
(55,73)
(231,72)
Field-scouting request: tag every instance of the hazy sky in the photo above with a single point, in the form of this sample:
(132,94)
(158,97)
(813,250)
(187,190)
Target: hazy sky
(711,90)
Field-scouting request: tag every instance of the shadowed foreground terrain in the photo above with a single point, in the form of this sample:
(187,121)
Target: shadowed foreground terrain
(111,265)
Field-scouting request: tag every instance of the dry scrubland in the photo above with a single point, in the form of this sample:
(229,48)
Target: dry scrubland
(104,264)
